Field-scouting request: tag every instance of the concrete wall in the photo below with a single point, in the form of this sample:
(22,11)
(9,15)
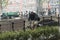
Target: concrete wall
(7,25)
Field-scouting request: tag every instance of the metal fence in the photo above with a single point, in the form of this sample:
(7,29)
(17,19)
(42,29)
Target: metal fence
(16,25)
(55,18)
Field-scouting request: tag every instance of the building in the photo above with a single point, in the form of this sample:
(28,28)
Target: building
(38,6)
(59,6)
(29,5)
(42,7)
(0,6)
(54,6)
(24,5)
(19,5)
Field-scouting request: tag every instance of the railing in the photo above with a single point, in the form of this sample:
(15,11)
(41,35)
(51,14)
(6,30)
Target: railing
(55,18)
(16,25)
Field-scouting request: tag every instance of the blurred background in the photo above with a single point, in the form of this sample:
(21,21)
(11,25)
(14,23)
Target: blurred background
(23,7)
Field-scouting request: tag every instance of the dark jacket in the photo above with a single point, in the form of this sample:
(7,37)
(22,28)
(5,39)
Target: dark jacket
(33,16)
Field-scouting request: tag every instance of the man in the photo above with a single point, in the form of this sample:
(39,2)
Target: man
(33,18)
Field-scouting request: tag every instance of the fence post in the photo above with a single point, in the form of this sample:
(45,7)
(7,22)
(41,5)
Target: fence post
(58,19)
(43,20)
(51,17)
(12,26)
(24,26)
(0,28)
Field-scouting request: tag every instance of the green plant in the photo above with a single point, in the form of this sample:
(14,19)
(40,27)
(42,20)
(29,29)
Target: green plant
(51,33)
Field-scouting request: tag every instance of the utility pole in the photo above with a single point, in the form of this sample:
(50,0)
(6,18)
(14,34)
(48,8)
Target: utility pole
(59,6)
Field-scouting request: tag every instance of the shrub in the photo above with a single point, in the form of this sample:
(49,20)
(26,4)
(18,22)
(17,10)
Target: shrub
(48,33)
